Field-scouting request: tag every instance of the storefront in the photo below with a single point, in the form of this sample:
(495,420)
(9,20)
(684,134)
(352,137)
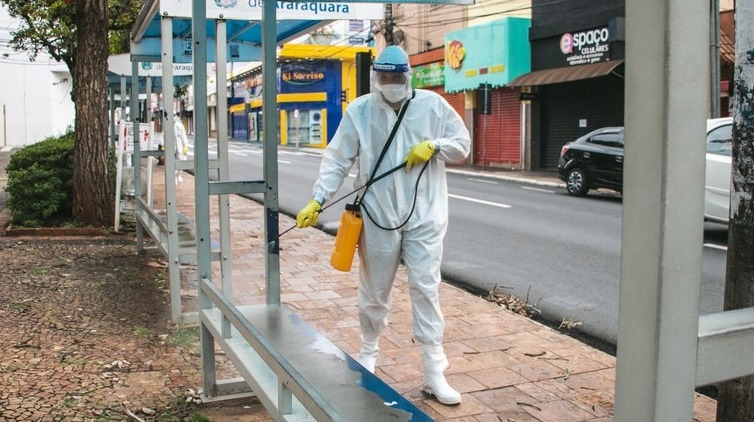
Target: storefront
(577,79)
(480,61)
(315,84)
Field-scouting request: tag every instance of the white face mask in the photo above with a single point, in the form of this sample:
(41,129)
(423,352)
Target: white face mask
(394,93)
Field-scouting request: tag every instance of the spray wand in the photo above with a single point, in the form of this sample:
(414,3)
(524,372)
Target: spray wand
(272,244)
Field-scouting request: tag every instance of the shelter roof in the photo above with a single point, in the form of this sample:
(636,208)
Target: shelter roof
(243,25)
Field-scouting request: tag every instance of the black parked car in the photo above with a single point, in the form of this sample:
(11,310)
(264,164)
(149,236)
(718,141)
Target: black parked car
(593,161)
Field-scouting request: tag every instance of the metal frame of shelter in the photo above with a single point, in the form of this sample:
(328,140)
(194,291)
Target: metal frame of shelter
(268,344)
(120,82)
(665,349)
(173,233)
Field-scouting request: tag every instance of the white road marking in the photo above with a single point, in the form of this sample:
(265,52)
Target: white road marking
(713,246)
(491,182)
(479,201)
(283,162)
(537,189)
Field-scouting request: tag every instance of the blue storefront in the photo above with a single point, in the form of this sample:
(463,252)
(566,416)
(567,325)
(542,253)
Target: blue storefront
(315,84)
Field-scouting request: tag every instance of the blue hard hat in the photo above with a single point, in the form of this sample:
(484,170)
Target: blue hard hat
(392,59)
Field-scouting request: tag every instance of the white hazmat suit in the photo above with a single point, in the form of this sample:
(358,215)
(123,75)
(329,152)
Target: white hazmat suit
(359,140)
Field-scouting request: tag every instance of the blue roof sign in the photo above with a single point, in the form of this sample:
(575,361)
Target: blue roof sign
(250,10)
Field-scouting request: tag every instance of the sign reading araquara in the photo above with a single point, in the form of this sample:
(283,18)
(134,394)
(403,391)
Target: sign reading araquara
(251,10)
(428,76)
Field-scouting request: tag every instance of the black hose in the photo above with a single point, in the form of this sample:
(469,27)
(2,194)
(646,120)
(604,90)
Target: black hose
(413,205)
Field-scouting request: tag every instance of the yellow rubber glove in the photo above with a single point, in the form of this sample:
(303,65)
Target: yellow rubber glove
(185,150)
(419,154)
(309,215)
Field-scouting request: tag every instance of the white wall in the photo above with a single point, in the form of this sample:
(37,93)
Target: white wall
(35,101)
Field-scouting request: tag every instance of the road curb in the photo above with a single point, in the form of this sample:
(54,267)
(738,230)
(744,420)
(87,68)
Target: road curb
(506,177)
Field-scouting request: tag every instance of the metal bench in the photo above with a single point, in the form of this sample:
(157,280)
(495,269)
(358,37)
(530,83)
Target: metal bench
(296,372)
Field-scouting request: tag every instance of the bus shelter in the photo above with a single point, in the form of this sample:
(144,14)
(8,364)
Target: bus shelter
(660,332)
(267,343)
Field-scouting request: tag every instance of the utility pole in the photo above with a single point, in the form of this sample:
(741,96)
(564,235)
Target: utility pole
(389,24)
(736,397)
(714,58)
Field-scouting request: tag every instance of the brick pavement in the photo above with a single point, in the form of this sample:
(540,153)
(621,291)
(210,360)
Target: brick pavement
(508,367)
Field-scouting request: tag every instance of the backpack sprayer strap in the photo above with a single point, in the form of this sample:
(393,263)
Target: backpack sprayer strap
(389,141)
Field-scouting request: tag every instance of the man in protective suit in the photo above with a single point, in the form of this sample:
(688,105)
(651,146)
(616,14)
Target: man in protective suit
(406,214)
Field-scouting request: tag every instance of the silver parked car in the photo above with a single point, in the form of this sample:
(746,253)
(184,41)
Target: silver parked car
(717,176)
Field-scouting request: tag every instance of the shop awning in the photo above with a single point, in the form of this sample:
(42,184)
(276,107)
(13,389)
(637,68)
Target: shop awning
(566,74)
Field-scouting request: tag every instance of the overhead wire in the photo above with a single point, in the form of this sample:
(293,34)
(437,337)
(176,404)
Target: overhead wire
(445,22)
(398,20)
(423,8)
(409,21)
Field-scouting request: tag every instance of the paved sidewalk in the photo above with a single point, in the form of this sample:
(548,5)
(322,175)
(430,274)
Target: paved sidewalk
(508,367)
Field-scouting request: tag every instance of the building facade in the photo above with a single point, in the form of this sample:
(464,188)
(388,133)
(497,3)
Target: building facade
(480,61)
(576,83)
(315,84)
(35,100)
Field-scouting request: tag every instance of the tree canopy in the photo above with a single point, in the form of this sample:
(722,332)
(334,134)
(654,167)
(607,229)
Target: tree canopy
(50,26)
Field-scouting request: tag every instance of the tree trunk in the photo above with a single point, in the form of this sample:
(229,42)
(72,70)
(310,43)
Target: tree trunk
(93,203)
(736,397)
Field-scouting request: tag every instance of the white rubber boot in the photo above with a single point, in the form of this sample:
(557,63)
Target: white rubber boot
(368,355)
(435,363)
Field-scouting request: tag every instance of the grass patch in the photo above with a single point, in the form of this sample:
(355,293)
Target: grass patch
(128,273)
(161,280)
(179,408)
(144,333)
(22,305)
(80,361)
(182,337)
(68,403)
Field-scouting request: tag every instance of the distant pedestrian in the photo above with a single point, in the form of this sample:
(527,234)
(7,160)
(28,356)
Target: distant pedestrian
(181,145)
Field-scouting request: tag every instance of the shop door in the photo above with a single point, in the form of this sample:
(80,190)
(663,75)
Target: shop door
(561,109)
(497,136)
(570,110)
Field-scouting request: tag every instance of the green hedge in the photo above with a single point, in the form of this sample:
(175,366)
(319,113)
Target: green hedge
(40,182)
